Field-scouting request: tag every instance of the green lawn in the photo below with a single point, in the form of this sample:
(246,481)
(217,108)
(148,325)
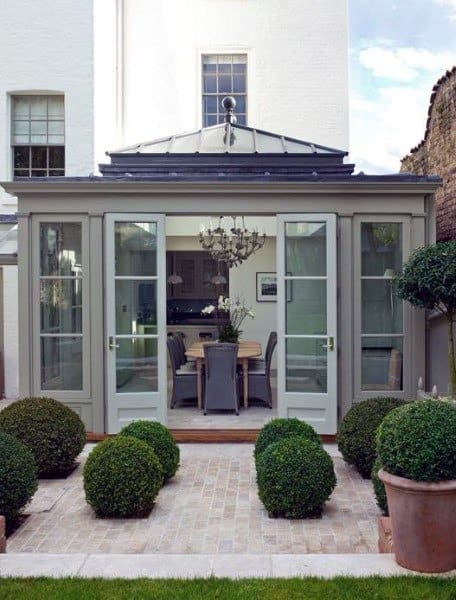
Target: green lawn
(374,588)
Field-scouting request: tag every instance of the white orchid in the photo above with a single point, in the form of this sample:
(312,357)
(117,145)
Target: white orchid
(207,310)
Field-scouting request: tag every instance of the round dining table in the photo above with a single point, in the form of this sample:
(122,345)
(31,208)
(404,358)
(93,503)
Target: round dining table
(247,349)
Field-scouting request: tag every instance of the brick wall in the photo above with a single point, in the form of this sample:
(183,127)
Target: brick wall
(436,154)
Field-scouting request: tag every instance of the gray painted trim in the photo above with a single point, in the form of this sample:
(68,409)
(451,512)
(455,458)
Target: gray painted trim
(345,315)
(97,332)
(25,300)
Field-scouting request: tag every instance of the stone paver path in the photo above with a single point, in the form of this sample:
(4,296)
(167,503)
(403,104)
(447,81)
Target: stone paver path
(210,507)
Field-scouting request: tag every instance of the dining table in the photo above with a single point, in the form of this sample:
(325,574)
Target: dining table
(246,350)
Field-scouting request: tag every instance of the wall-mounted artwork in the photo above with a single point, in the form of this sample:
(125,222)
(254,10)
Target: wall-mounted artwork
(266,284)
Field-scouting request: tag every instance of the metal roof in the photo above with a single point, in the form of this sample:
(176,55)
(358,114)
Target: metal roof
(228,138)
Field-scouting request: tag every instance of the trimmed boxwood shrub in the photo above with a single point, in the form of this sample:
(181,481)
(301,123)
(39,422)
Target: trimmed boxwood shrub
(51,431)
(379,488)
(160,440)
(295,478)
(278,429)
(122,477)
(418,441)
(18,477)
(356,437)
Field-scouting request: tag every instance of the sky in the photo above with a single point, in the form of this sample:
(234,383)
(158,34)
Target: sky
(398,50)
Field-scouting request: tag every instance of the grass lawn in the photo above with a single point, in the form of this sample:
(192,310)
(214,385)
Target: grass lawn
(373,588)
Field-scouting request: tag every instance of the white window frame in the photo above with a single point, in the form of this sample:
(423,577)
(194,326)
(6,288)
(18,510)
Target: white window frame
(250,91)
(11,145)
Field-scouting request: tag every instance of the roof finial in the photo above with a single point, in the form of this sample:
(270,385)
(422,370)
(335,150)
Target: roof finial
(229,104)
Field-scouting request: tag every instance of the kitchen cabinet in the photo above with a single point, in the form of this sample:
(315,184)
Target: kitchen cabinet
(197,270)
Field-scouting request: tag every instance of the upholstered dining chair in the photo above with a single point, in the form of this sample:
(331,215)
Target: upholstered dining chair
(260,363)
(221,389)
(184,380)
(260,377)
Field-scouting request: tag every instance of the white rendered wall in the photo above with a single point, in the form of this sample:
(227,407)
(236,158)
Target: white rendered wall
(297,55)
(47,46)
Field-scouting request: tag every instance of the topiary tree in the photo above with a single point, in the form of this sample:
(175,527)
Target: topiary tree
(418,441)
(295,477)
(278,429)
(428,280)
(379,487)
(53,433)
(356,437)
(18,477)
(160,440)
(122,477)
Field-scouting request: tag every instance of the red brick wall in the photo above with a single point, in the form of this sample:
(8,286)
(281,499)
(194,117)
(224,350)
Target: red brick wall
(436,154)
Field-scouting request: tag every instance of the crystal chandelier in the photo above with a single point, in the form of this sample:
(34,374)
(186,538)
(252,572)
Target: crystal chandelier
(232,246)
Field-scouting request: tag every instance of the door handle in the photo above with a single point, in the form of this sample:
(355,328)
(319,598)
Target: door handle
(111,344)
(330,344)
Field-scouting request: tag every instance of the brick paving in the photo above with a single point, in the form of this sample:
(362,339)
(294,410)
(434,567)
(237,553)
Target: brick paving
(210,507)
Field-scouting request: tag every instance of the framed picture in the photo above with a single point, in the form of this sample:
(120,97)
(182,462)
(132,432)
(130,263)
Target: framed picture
(266,287)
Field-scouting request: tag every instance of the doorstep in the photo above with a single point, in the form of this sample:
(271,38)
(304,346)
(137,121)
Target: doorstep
(211,436)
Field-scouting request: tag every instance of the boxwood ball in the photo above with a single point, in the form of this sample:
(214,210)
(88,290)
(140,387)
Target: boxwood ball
(122,477)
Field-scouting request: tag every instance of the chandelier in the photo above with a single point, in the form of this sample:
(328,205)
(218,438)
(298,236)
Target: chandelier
(232,246)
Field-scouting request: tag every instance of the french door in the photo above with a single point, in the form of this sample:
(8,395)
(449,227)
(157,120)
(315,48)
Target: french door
(135,292)
(307,319)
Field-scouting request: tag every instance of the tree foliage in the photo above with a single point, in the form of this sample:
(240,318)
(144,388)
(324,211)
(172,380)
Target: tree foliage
(428,280)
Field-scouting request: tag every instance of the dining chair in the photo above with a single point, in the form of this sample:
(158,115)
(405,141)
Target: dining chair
(260,363)
(260,377)
(221,389)
(185,363)
(184,381)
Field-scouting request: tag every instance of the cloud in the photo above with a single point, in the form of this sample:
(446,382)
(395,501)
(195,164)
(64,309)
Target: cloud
(403,64)
(385,126)
(451,4)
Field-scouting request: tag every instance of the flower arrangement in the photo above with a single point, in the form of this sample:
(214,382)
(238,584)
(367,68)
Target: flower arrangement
(230,315)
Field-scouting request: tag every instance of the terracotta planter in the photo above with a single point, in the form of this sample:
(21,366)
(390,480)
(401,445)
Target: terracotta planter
(423,517)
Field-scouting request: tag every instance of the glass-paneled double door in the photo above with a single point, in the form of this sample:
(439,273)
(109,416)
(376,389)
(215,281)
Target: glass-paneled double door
(135,300)
(135,321)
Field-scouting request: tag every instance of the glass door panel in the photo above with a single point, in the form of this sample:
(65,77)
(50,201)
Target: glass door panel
(307,307)
(136,341)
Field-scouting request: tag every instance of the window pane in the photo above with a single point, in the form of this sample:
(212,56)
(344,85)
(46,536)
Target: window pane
(306,307)
(21,127)
(61,305)
(306,365)
(60,249)
(240,105)
(39,157)
(239,83)
(306,249)
(38,107)
(56,127)
(136,307)
(136,365)
(136,249)
(210,84)
(381,308)
(61,363)
(21,173)
(56,157)
(21,157)
(210,104)
(381,245)
(224,84)
(38,127)
(381,363)
(38,139)
(56,108)
(21,107)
